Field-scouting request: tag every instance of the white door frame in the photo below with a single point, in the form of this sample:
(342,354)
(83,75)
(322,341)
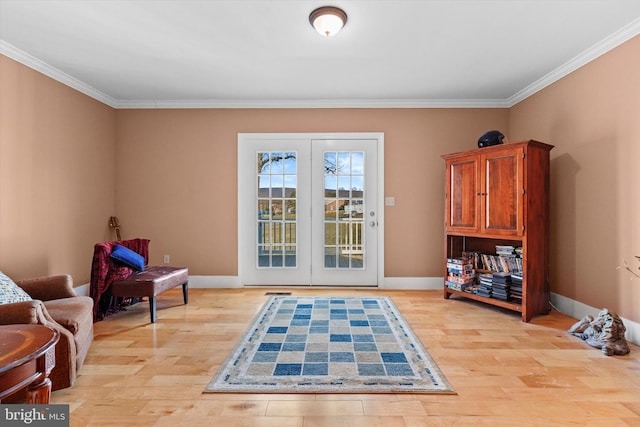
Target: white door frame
(245,180)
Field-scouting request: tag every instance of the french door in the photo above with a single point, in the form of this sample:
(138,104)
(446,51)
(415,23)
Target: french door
(308,209)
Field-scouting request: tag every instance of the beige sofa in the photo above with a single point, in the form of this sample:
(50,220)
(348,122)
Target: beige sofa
(55,304)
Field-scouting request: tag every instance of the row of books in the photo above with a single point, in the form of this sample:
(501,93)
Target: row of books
(501,263)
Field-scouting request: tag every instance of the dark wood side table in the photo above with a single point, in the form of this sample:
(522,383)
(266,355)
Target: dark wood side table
(27,356)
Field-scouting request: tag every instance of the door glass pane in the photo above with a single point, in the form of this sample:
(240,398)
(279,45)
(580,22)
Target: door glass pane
(276,239)
(330,186)
(344,201)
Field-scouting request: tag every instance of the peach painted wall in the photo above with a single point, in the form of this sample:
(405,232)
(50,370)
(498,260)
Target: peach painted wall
(64,157)
(176,177)
(57,162)
(592,116)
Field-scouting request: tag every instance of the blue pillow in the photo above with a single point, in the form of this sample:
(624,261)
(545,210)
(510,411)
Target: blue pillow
(128,257)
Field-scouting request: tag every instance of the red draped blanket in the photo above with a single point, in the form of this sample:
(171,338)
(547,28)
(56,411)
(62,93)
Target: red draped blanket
(105,270)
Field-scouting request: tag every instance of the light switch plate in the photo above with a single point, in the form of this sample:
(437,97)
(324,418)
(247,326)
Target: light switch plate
(389,201)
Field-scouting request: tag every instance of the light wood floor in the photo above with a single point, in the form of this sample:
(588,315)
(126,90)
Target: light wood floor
(505,372)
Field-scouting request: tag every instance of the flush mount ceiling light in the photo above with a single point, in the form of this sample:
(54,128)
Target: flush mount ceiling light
(328,20)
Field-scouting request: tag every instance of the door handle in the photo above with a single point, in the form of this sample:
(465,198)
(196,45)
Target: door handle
(373,223)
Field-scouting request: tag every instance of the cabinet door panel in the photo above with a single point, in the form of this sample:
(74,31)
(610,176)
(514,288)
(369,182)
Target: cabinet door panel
(502,190)
(463,199)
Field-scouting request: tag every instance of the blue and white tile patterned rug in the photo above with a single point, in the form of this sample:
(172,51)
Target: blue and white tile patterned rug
(329,345)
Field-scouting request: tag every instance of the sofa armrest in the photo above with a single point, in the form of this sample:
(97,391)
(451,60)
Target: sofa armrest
(48,288)
(35,312)
(24,312)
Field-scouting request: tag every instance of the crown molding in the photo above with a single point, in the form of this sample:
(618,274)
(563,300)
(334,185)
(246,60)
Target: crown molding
(313,103)
(629,31)
(616,39)
(24,58)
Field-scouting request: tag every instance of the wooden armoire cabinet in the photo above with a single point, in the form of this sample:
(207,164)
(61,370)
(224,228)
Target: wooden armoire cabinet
(499,195)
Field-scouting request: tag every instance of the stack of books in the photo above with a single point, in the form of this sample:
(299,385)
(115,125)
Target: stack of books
(516,287)
(485,285)
(460,274)
(501,283)
(505,250)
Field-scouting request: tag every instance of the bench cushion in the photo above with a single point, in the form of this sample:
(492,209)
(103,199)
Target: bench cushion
(150,282)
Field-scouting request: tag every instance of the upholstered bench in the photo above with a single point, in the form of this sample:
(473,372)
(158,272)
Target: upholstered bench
(151,282)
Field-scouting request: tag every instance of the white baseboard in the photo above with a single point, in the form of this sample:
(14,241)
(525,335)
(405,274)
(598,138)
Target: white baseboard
(214,282)
(579,310)
(82,290)
(561,303)
(413,283)
(391,283)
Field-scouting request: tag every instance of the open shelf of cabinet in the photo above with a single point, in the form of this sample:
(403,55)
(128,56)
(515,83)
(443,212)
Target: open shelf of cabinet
(500,196)
(504,304)
(456,244)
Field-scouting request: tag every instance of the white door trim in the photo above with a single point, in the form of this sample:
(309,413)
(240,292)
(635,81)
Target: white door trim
(244,178)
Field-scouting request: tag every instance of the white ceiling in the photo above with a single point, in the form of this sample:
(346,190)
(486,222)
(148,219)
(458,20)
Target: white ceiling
(262,53)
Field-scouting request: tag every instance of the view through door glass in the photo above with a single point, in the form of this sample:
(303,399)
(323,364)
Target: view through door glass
(277,220)
(343,209)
